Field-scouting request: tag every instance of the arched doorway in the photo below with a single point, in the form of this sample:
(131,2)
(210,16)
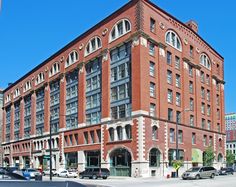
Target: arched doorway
(220,158)
(120,160)
(6,161)
(154,157)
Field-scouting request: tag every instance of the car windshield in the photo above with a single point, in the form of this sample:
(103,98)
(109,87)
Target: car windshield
(193,169)
(31,170)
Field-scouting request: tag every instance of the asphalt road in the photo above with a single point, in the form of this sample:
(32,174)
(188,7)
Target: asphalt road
(219,181)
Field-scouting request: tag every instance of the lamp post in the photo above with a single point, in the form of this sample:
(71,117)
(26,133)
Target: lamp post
(177,137)
(50,147)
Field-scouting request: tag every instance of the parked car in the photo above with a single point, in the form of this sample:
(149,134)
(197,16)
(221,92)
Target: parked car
(95,173)
(47,172)
(59,171)
(199,172)
(226,171)
(30,172)
(67,174)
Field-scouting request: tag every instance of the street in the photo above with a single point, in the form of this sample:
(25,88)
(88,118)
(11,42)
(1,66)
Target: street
(219,181)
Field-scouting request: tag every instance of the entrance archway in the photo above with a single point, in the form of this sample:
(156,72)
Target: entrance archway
(120,160)
(6,161)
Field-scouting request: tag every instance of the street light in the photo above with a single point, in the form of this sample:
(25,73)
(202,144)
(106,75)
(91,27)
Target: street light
(177,137)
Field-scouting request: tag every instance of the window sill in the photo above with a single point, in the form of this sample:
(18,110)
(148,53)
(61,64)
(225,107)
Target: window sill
(119,141)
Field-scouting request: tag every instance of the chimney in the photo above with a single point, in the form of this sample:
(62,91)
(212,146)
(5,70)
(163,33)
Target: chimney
(192,25)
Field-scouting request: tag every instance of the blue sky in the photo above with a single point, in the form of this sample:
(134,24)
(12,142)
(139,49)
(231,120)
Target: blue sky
(31,31)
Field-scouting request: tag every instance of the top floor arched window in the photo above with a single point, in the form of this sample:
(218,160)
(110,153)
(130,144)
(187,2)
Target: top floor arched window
(119,29)
(39,78)
(16,93)
(204,60)
(54,69)
(173,40)
(94,44)
(27,86)
(72,58)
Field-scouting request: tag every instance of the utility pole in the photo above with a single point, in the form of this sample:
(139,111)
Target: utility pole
(50,147)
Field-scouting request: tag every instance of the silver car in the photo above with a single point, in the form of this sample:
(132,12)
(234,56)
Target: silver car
(200,172)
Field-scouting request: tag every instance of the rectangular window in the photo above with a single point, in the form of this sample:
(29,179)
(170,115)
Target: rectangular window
(178,99)
(208,95)
(152,69)
(191,51)
(218,114)
(193,138)
(99,135)
(114,114)
(191,104)
(113,74)
(122,92)
(170,114)
(178,117)
(217,99)
(209,125)
(191,87)
(208,110)
(152,25)
(92,136)
(203,123)
(190,70)
(202,77)
(114,95)
(177,81)
(170,96)
(205,140)
(85,137)
(207,79)
(169,58)
(152,109)
(203,108)
(172,135)
(151,49)
(191,120)
(177,62)
(218,127)
(180,136)
(203,92)
(210,141)
(122,111)
(152,89)
(169,77)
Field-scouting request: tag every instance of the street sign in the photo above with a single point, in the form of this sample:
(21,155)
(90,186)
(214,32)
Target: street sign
(46,156)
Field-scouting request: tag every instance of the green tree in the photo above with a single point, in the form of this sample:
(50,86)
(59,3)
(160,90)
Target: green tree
(208,157)
(230,157)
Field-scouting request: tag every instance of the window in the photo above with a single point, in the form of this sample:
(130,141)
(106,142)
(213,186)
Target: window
(172,155)
(205,140)
(151,49)
(119,29)
(178,99)
(191,120)
(55,68)
(16,93)
(170,114)
(180,136)
(128,131)
(203,123)
(111,134)
(208,110)
(85,137)
(191,87)
(203,108)
(202,77)
(191,104)
(218,114)
(209,125)
(203,92)
(217,99)
(208,95)
(92,136)
(207,79)
(154,132)
(72,58)
(119,133)
(204,61)
(152,89)
(190,70)
(191,50)
(152,109)
(210,141)
(173,40)
(170,96)
(99,135)
(154,158)
(169,58)
(193,138)
(152,25)
(177,81)
(93,45)
(27,86)
(152,69)
(218,127)
(177,62)
(169,77)
(178,117)
(172,135)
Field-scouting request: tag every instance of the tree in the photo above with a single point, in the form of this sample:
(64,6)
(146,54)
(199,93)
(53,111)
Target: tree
(230,157)
(177,164)
(208,157)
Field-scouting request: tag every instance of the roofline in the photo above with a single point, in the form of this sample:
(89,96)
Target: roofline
(80,37)
(131,2)
(151,3)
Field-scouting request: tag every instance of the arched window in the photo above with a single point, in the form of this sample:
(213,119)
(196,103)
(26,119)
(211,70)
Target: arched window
(154,158)
(173,40)
(54,69)
(111,134)
(16,93)
(94,44)
(72,58)
(27,86)
(154,132)
(119,29)
(39,78)
(119,133)
(204,60)
(220,142)
(128,131)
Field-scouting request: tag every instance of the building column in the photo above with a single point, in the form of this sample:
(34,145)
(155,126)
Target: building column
(12,122)
(81,95)
(62,113)
(81,161)
(46,108)
(22,118)
(33,113)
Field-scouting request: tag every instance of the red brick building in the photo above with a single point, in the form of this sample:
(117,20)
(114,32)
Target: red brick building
(115,95)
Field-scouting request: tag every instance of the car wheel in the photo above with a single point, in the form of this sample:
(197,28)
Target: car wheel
(81,177)
(105,177)
(94,177)
(67,176)
(212,175)
(197,177)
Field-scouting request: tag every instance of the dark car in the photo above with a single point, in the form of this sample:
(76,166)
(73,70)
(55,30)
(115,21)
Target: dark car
(95,173)
(226,171)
